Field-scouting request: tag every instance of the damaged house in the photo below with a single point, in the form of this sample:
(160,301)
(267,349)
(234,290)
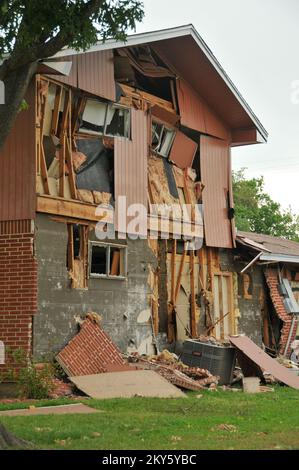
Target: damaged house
(150,122)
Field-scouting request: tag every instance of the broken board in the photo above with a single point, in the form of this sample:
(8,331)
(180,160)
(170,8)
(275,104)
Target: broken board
(144,383)
(250,356)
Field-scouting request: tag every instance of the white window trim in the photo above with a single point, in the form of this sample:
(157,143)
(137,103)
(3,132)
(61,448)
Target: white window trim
(107,246)
(107,106)
(168,128)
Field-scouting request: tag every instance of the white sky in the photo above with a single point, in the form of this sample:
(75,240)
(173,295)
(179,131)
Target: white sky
(257,43)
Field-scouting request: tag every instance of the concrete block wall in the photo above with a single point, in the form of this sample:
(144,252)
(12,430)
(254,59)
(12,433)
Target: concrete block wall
(123,304)
(18,284)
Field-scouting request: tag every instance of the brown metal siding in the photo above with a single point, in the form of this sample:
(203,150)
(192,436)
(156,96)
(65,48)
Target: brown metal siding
(183,151)
(96,73)
(214,161)
(130,162)
(196,114)
(17,166)
(92,72)
(202,76)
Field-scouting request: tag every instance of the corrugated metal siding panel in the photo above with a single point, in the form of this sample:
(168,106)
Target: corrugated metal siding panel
(96,73)
(130,163)
(214,161)
(17,166)
(92,72)
(13,227)
(196,114)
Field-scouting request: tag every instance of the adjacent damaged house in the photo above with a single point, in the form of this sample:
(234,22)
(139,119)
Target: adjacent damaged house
(113,138)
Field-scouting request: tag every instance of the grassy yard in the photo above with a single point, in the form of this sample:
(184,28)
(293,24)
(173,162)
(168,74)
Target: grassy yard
(262,421)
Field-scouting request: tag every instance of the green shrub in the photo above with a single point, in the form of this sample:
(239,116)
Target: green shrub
(31,381)
(35,383)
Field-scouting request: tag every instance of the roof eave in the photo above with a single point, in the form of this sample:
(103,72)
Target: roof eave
(171,33)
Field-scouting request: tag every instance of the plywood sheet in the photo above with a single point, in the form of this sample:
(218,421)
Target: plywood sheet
(252,353)
(145,383)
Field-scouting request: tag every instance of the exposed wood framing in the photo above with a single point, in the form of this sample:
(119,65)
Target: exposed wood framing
(193,299)
(57,105)
(42,93)
(179,278)
(171,304)
(63,142)
(74,209)
(142,99)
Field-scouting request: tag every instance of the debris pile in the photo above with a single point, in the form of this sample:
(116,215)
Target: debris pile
(177,373)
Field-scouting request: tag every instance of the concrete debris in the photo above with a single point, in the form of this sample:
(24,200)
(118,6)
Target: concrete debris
(128,384)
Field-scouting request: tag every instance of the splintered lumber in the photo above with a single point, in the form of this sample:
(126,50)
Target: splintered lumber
(189,378)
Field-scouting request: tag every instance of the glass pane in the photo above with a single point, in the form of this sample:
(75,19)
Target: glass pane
(156,135)
(167,138)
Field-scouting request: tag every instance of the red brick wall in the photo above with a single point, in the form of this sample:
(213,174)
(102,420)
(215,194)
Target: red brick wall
(277,300)
(18,284)
(91,351)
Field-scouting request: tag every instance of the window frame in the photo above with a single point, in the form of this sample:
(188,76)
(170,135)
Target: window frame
(164,128)
(108,247)
(104,133)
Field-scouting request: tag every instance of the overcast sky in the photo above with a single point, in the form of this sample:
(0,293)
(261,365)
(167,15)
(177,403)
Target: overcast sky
(257,43)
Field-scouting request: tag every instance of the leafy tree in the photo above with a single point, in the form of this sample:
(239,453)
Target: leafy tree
(31,30)
(255,211)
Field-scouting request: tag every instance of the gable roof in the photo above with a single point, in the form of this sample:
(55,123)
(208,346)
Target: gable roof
(200,67)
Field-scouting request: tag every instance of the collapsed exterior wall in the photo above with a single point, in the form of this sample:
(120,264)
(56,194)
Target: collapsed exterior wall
(286,337)
(123,304)
(247,295)
(18,284)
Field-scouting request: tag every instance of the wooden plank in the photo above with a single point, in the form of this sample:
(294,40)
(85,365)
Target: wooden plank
(44,171)
(179,278)
(75,117)
(171,306)
(62,166)
(75,209)
(221,312)
(173,257)
(63,137)
(57,104)
(69,153)
(193,300)
(138,94)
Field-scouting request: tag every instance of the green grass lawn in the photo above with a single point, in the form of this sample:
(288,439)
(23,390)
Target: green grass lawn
(261,421)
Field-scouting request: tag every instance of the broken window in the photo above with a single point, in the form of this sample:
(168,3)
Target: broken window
(101,118)
(77,255)
(117,121)
(108,261)
(93,118)
(162,139)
